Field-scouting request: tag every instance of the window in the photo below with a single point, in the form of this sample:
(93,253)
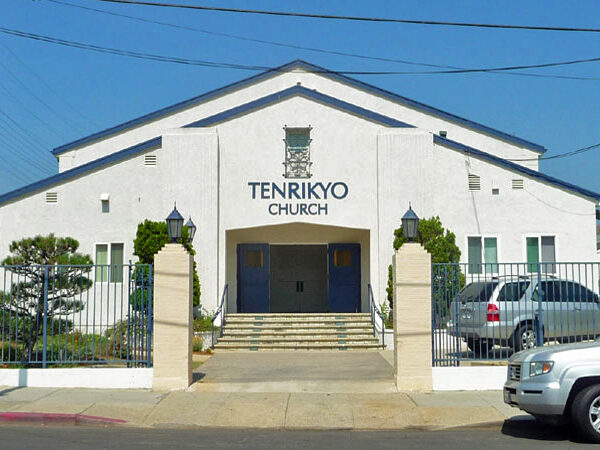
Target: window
(116,263)
(101,262)
(105,206)
(342,258)
(541,249)
(482,254)
(255,258)
(297,152)
(512,292)
(477,292)
(109,269)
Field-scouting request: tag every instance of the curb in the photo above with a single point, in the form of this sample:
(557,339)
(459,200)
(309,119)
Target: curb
(57,418)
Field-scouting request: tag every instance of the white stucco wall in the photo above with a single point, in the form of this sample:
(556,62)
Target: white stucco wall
(207,172)
(94,150)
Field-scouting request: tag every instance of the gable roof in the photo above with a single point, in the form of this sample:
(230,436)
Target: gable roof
(298,64)
(206,122)
(82,170)
(303,92)
(515,167)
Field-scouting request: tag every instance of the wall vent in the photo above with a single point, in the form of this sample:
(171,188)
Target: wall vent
(150,160)
(474,182)
(517,183)
(51,197)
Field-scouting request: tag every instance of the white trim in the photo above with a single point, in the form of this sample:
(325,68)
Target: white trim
(539,236)
(483,236)
(109,250)
(79,377)
(469,378)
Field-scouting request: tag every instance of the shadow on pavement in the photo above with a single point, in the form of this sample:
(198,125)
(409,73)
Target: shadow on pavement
(9,390)
(526,427)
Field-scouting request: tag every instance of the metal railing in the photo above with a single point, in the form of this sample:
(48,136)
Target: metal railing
(489,311)
(376,313)
(76,315)
(222,313)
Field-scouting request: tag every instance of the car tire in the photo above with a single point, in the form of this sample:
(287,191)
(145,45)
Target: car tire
(479,347)
(585,413)
(524,337)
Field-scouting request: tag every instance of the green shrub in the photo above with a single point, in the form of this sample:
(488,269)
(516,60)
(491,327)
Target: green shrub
(197,343)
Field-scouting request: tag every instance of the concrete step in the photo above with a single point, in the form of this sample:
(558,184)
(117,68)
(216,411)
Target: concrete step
(301,327)
(300,315)
(297,346)
(301,339)
(292,325)
(298,332)
(290,331)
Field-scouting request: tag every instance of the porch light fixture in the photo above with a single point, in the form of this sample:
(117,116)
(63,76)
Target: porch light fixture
(174,224)
(410,224)
(191,230)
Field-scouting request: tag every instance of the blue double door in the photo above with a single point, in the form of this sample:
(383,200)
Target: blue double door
(298,278)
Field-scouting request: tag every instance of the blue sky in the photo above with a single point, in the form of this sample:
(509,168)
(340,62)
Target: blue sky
(51,95)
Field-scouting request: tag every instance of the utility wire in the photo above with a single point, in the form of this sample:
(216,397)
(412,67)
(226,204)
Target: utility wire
(300,47)
(355,18)
(18,102)
(561,155)
(19,154)
(54,112)
(48,86)
(216,64)
(25,136)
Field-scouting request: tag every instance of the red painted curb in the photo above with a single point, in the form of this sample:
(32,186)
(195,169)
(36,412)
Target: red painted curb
(74,419)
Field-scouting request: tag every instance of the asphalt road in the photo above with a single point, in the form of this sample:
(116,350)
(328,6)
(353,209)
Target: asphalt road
(525,435)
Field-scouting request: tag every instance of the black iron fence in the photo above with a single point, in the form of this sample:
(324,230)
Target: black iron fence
(486,312)
(59,315)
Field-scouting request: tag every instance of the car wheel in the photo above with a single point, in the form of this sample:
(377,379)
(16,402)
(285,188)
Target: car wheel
(479,347)
(524,337)
(585,413)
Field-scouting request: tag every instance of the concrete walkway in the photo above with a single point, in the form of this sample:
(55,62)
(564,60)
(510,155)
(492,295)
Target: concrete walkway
(391,411)
(293,390)
(301,371)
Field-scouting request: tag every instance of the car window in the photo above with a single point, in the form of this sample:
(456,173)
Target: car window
(512,292)
(477,292)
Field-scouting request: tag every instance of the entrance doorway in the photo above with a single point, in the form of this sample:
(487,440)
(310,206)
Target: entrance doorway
(316,278)
(298,278)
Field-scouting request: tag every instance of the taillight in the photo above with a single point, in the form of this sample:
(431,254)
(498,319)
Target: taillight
(493,313)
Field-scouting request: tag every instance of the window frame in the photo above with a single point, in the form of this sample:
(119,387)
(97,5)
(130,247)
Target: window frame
(498,252)
(109,258)
(539,237)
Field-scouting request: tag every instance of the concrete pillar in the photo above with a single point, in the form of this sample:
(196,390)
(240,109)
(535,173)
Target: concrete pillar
(412,318)
(173,318)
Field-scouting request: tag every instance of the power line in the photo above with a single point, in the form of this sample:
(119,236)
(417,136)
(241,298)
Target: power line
(26,136)
(300,47)
(56,113)
(18,102)
(216,64)
(355,18)
(561,155)
(47,85)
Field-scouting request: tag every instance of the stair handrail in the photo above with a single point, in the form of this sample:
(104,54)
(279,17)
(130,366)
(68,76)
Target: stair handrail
(375,311)
(221,311)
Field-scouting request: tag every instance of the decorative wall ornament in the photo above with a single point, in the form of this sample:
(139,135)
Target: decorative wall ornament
(297,152)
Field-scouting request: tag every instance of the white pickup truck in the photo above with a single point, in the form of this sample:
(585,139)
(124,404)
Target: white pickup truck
(558,384)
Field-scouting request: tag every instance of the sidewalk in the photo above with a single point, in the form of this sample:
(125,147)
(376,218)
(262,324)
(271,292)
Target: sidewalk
(291,411)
